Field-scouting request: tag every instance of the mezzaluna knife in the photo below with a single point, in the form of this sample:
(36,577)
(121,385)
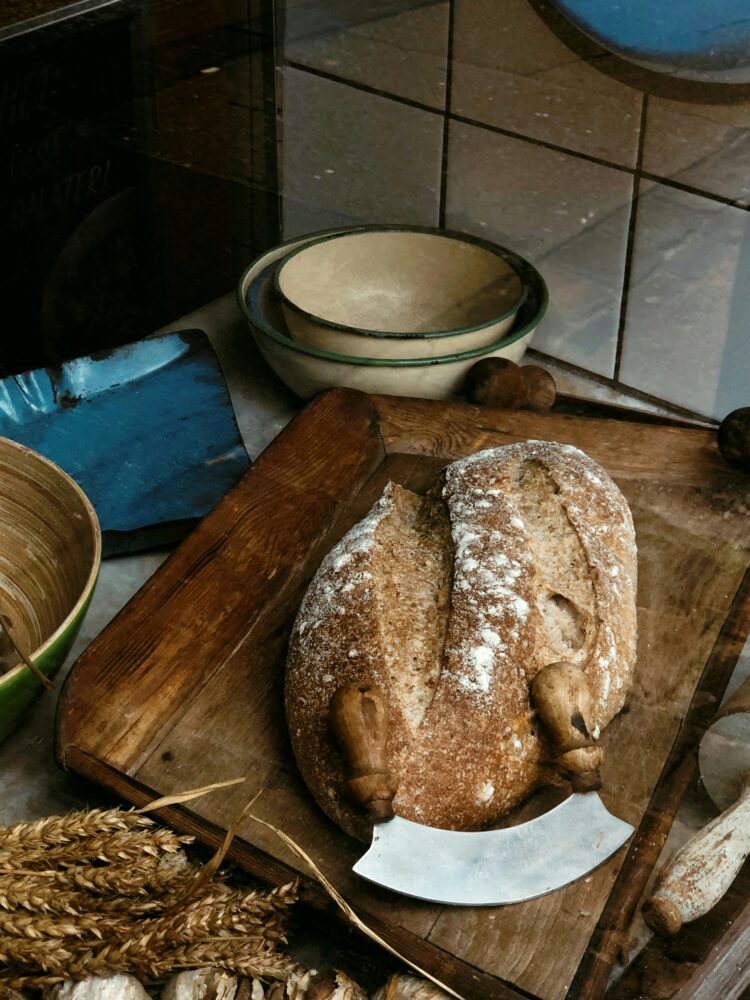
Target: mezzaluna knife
(492,867)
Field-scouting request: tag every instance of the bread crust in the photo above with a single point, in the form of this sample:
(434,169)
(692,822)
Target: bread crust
(523,555)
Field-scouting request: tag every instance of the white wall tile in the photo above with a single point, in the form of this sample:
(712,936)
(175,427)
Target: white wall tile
(706,146)
(687,330)
(510,70)
(400,47)
(348,156)
(568,216)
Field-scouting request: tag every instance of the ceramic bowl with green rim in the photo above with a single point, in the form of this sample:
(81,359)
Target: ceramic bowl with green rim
(50,552)
(398,292)
(307,371)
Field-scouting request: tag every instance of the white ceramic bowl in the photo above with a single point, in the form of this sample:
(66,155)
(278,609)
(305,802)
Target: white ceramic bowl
(398,292)
(307,370)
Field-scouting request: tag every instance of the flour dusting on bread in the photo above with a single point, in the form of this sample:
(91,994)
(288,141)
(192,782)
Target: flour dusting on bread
(451,603)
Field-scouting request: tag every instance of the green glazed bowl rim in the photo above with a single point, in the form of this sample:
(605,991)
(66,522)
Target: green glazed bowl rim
(259,323)
(493,248)
(93,521)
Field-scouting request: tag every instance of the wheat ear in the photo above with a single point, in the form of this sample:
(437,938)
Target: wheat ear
(150,875)
(49,899)
(55,830)
(110,847)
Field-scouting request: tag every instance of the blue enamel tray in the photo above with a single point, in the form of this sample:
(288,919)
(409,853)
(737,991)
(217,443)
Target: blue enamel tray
(147,430)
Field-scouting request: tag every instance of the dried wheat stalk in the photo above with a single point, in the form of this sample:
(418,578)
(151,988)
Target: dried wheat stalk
(150,876)
(241,956)
(262,905)
(143,955)
(211,916)
(260,901)
(15,978)
(55,830)
(111,847)
(49,956)
(38,927)
(142,909)
(48,899)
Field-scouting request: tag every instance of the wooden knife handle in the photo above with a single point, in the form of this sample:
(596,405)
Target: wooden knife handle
(699,874)
(562,698)
(359,721)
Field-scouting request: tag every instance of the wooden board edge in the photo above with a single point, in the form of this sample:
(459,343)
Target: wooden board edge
(396,414)
(467,980)
(645,848)
(566,405)
(347,401)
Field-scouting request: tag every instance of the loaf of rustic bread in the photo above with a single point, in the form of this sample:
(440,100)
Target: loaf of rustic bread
(519,557)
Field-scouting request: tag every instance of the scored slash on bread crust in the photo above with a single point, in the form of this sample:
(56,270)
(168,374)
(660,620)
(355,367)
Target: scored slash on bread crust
(520,556)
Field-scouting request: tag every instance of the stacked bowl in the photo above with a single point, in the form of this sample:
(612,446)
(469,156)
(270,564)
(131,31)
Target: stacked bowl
(389,309)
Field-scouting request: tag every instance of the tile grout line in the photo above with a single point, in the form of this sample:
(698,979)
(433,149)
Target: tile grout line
(636,172)
(277,18)
(364,87)
(446,116)
(699,192)
(376,92)
(497,129)
(630,241)
(577,154)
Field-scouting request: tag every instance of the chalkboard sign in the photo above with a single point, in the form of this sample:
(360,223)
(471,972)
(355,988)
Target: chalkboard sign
(68,187)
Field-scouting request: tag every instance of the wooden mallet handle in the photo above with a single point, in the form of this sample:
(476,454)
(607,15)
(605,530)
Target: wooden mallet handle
(562,698)
(699,874)
(359,721)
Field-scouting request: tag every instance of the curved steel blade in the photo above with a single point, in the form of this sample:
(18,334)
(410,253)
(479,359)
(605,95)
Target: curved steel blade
(494,866)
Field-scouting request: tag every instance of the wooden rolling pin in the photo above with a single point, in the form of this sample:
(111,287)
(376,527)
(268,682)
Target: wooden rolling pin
(699,874)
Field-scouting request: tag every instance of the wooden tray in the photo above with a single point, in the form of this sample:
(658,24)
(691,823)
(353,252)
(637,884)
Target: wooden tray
(185,686)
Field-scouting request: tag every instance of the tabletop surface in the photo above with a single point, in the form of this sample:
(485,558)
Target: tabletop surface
(31,785)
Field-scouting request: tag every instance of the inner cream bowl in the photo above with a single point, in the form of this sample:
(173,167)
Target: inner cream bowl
(398,292)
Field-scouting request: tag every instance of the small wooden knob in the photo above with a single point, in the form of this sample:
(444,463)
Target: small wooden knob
(500,382)
(359,721)
(562,697)
(541,390)
(662,916)
(496,382)
(734,438)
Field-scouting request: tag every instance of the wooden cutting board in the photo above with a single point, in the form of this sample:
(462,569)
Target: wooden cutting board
(184,688)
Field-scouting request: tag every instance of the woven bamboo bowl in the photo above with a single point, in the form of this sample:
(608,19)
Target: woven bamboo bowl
(50,552)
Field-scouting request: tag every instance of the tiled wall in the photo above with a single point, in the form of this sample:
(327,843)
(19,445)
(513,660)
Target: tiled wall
(473,114)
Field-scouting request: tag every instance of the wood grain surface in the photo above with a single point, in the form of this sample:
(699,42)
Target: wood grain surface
(184,687)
